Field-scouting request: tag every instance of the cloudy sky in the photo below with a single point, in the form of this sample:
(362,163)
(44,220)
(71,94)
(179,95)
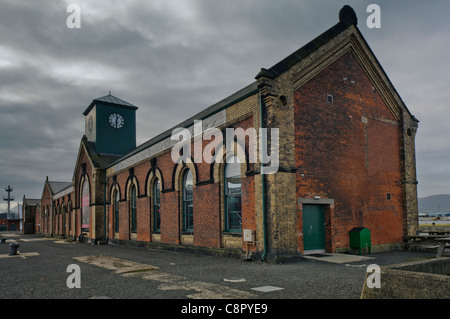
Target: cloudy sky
(173,58)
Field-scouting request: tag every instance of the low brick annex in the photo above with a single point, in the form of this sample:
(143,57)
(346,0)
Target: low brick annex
(346,156)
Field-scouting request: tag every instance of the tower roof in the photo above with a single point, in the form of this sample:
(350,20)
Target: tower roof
(110,100)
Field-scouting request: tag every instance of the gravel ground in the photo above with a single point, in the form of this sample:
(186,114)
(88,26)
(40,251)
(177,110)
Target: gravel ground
(179,276)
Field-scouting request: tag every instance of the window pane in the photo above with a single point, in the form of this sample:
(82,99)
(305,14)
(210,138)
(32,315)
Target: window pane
(133,197)
(234,214)
(85,210)
(234,221)
(233,167)
(116,212)
(133,209)
(233,186)
(156,204)
(189,216)
(232,182)
(188,185)
(157,192)
(188,207)
(234,203)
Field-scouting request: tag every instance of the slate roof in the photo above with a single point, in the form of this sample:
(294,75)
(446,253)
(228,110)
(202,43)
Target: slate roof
(217,107)
(347,18)
(98,159)
(110,100)
(31,201)
(56,187)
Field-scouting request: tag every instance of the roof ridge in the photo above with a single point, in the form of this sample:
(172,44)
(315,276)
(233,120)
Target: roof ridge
(347,18)
(111,100)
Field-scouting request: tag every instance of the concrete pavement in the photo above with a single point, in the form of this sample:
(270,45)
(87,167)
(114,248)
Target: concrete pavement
(118,272)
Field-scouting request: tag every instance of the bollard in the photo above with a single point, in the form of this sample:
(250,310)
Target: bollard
(80,238)
(13,248)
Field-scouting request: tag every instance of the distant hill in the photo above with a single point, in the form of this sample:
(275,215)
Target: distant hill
(434,203)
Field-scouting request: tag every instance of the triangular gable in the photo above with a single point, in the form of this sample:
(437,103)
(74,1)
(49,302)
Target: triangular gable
(81,150)
(318,54)
(46,185)
(377,75)
(54,187)
(96,160)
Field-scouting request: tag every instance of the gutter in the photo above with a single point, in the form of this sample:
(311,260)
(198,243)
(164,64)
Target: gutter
(104,208)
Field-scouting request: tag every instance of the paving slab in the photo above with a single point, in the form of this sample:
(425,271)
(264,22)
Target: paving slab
(267,288)
(338,258)
(116,264)
(19,255)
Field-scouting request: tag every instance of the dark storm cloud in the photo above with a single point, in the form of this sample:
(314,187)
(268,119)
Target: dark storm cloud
(175,58)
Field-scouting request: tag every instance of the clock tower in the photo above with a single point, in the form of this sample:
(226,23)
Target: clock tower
(110,123)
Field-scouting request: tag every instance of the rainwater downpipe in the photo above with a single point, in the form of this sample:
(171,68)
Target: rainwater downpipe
(104,209)
(263,182)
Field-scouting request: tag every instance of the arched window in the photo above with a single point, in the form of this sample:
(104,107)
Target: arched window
(57,219)
(156,205)
(116,211)
(232,187)
(69,217)
(188,205)
(85,210)
(46,220)
(63,221)
(133,208)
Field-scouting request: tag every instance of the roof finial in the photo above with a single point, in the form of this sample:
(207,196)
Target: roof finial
(348,12)
(109,92)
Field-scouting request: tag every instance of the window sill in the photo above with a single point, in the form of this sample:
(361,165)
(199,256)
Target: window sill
(231,233)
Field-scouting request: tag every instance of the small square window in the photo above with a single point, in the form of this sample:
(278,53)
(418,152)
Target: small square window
(330,98)
(388,196)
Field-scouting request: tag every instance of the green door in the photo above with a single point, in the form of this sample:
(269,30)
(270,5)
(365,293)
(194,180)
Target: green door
(313,227)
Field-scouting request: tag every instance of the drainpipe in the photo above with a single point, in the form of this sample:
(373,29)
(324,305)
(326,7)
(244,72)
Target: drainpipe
(104,208)
(50,231)
(263,185)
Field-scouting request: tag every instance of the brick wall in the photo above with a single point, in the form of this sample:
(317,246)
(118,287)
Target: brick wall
(207,221)
(208,194)
(94,175)
(46,206)
(349,151)
(170,221)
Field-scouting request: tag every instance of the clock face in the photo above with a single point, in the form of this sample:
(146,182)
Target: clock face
(116,120)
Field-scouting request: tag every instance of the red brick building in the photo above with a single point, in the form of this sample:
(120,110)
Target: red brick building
(29,208)
(346,159)
(53,210)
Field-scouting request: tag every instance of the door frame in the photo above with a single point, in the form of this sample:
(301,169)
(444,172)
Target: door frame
(328,209)
(317,237)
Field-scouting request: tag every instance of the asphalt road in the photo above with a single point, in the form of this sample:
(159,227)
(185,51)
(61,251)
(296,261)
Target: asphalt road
(40,271)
